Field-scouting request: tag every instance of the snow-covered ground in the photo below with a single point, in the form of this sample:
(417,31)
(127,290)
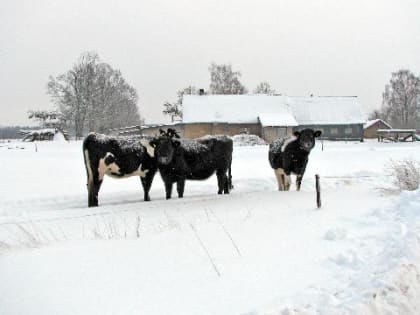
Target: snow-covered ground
(255,251)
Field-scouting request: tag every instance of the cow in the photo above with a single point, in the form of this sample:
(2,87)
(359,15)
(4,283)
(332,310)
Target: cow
(198,159)
(290,156)
(118,158)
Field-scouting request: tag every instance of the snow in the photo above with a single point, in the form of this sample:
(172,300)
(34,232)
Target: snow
(326,110)
(231,108)
(255,251)
(247,140)
(277,119)
(272,110)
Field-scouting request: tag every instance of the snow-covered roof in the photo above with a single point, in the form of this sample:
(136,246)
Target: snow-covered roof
(370,123)
(272,110)
(231,108)
(326,110)
(277,119)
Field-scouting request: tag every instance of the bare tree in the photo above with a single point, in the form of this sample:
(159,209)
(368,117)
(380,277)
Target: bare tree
(225,81)
(92,96)
(174,109)
(264,88)
(401,100)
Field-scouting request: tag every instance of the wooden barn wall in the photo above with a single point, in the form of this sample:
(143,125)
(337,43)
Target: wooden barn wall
(201,129)
(370,133)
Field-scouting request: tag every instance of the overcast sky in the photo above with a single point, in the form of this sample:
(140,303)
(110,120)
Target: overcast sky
(328,47)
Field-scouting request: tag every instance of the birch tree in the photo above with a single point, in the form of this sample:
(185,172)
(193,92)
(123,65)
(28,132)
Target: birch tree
(401,100)
(223,80)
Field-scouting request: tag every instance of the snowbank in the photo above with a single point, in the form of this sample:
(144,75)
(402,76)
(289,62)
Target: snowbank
(247,140)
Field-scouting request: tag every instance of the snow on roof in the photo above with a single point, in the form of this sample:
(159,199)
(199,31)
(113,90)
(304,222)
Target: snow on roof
(370,123)
(231,108)
(272,110)
(277,119)
(326,110)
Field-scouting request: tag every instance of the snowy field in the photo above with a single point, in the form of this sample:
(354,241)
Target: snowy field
(255,251)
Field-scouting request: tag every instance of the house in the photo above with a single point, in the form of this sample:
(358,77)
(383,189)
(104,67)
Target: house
(263,115)
(371,127)
(338,117)
(272,116)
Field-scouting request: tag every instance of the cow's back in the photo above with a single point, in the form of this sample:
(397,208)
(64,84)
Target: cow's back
(275,153)
(203,156)
(128,153)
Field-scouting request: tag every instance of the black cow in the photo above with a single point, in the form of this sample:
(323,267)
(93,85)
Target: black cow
(197,159)
(118,158)
(290,155)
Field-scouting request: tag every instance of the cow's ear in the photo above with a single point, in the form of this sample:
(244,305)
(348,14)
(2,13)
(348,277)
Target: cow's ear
(176,143)
(153,142)
(317,133)
(296,134)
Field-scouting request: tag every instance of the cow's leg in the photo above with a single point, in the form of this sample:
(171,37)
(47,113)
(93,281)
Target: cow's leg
(93,191)
(287,181)
(222,181)
(180,185)
(147,183)
(230,178)
(94,180)
(227,184)
(168,188)
(298,181)
(280,178)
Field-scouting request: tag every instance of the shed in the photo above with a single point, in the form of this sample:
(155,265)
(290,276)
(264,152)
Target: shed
(371,128)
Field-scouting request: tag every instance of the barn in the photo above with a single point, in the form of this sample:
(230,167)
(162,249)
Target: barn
(371,127)
(272,116)
(266,116)
(338,117)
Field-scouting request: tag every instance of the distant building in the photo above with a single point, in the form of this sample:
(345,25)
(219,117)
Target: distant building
(371,127)
(46,134)
(338,117)
(267,116)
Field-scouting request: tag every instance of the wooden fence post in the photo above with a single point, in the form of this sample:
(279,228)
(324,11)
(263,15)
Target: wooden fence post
(318,191)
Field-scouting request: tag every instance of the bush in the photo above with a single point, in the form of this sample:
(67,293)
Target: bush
(405,174)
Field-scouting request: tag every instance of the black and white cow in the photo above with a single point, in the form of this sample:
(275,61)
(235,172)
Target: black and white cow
(118,158)
(198,159)
(290,156)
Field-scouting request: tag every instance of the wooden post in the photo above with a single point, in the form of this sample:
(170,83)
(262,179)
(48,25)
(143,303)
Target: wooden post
(318,191)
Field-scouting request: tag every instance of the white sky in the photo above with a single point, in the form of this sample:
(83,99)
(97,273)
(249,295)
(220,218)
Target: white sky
(324,47)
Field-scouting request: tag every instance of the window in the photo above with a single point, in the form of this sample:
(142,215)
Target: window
(334,131)
(348,130)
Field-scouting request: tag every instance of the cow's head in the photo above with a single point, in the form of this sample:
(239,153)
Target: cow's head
(165,145)
(306,138)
